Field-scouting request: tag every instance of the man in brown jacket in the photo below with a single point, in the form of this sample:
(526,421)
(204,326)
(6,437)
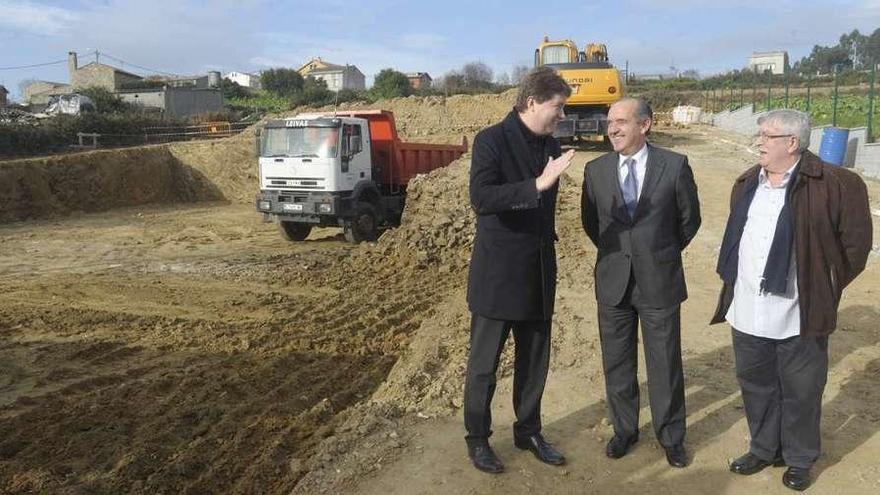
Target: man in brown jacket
(799,231)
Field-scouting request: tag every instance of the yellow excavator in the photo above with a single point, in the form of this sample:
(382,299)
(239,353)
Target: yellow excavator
(595,85)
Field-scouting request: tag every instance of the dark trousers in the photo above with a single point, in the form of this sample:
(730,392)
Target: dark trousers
(782,383)
(661,334)
(532,359)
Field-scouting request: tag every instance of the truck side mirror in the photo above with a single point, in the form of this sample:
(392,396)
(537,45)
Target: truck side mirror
(257,135)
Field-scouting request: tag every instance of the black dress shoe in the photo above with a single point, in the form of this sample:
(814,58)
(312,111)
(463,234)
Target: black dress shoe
(542,450)
(750,464)
(676,456)
(797,478)
(485,459)
(618,446)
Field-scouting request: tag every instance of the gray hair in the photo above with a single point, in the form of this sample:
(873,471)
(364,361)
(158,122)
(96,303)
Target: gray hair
(791,122)
(643,109)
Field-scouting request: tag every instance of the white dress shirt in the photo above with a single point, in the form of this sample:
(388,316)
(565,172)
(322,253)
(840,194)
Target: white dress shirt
(641,158)
(760,314)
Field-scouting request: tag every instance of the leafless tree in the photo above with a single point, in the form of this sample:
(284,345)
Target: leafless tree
(518,73)
(477,75)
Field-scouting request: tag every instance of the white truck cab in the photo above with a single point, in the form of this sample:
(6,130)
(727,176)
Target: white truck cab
(314,153)
(310,168)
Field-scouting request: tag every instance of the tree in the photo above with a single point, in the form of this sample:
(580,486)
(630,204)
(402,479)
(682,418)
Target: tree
(477,75)
(314,92)
(232,89)
(690,74)
(502,79)
(872,48)
(105,101)
(22,87)
(282,82)
(518,73)
(391,84)
(453,81)
(344,95)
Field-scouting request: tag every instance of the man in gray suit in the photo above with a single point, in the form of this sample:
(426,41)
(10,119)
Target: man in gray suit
(640,209)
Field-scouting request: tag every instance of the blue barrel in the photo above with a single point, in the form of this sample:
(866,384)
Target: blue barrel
(833,147)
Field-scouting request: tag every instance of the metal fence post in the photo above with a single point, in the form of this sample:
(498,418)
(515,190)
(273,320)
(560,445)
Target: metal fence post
(809,98)
(787,83)
(834,102)
(871,103)
(755,94)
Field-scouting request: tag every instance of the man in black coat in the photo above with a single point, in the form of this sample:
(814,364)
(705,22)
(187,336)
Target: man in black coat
(640,209)
(512,283)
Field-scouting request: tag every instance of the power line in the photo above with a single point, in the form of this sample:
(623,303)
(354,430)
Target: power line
(157,71)
(34,65)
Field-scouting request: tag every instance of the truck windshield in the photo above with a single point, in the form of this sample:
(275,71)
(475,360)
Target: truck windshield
(318,142)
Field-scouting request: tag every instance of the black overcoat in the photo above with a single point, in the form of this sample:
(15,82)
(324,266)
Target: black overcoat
(513,266)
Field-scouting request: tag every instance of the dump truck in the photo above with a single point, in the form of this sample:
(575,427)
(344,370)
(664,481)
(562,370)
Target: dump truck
(595,85)
(344,169)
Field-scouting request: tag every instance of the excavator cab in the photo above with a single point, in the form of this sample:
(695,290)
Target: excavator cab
(595,85)
(595,53)
(556,52)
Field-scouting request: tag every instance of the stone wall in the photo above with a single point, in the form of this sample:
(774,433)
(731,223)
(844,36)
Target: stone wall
(860,154)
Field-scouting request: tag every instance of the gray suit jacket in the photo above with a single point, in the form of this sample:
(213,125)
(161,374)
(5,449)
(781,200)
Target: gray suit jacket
(649,246)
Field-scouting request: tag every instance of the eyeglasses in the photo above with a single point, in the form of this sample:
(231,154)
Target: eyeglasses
(766,137)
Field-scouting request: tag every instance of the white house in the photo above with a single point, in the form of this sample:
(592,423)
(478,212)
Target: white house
(336,76)
(776,62)
(244,79)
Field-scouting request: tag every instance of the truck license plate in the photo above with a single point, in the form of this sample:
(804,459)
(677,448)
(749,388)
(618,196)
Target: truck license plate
(291,207)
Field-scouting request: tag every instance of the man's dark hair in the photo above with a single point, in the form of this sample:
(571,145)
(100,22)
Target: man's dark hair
(542,84)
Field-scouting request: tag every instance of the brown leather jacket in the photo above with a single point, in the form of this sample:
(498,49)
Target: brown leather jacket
(832,239)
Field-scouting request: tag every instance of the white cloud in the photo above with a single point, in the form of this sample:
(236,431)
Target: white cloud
(182,36)
(35,18)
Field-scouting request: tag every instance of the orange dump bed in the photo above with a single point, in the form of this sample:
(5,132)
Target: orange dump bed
(398,161)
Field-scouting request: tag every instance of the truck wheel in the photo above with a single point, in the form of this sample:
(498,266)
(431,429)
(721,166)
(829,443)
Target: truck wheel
(293,231)
(363,227)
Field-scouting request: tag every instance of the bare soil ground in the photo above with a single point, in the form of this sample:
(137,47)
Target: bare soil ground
(183,347)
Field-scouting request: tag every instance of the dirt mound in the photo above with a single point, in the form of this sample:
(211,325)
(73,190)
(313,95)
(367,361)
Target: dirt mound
(205,170)
(98,181)
(230,164)
(439,118)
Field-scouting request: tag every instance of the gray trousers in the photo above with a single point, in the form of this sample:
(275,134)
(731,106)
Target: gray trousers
(531,362)
(782,383)
(661,333)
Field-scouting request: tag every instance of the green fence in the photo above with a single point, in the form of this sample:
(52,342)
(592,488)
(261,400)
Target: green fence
(833,104)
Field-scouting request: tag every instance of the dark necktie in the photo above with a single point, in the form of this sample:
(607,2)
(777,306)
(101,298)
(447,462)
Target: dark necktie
(630,187)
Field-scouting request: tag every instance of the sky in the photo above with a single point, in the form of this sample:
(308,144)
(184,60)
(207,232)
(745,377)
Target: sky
(192,37)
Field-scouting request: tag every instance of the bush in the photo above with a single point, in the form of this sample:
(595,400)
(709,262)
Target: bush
(57,133)
(390,84)
(262,102)
(282,82)
(232,89)
(314,93)
(105,101)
